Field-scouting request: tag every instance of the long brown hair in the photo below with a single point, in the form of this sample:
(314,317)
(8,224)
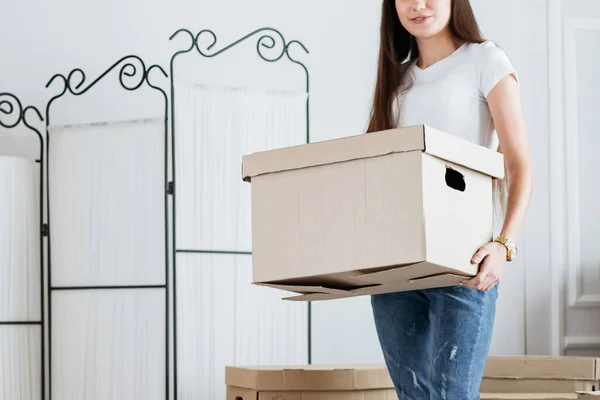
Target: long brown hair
(397,51)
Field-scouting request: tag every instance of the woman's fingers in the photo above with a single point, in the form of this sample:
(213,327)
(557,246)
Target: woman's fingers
(477,280)
(490,285)
(480,254)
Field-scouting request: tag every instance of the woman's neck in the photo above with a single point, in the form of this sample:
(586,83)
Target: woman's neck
(434,49)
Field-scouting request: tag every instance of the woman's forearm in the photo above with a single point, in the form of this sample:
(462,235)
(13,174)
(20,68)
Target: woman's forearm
(519,194)
(505,106)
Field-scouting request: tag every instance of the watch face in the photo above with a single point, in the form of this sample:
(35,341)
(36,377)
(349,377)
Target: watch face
(513,253)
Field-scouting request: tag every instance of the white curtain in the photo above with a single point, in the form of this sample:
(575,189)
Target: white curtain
(225,320)
(20,360)
(19,240)
(20,364)
(108,344)
(215,127)
(107,203)
(107,227)
(222,319)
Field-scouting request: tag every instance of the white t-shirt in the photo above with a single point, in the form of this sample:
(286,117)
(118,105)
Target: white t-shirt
(451,95)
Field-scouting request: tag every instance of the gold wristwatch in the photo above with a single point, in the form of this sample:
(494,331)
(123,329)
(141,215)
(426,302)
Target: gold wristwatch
(511,249)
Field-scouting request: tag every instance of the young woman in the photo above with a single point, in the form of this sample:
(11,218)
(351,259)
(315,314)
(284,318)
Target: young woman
(436,69)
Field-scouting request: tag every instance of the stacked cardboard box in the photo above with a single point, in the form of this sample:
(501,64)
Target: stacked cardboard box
(540,374)
(388,211)
(505,378)
(310,382)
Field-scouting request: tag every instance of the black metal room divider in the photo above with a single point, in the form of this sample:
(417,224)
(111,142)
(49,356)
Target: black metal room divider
(133,74)
(11,107)
(267,40)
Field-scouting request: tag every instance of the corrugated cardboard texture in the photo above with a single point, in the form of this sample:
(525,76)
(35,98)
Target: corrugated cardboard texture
(528,396)
(505,385)
(542,367)
(376,394)
(457,223)
(315,293)
(361,214)
(398,210)
(309,378)
(465,153)
(333,151)
(236,393)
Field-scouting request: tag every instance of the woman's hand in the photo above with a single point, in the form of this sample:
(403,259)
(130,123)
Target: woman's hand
(492,257)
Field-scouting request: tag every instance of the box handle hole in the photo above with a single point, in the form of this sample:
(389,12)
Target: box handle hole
(455,179)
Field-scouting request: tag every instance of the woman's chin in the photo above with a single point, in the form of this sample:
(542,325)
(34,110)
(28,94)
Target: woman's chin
(426,32)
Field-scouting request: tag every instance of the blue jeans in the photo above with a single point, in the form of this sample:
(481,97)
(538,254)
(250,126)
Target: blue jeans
(435,342)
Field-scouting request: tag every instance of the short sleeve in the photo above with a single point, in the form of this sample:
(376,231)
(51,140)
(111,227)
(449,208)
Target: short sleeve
(492,65)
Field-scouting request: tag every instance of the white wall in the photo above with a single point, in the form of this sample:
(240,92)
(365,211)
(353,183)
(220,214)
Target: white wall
(575,143)
(41,38)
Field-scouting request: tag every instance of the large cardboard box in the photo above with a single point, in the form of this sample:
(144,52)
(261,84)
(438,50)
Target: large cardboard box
(309,382)
(388,211)
(541,374)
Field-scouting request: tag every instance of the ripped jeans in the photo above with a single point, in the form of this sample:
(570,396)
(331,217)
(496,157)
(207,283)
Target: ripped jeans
(435,342)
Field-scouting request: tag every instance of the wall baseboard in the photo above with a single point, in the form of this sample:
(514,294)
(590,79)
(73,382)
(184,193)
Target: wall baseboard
(582,343)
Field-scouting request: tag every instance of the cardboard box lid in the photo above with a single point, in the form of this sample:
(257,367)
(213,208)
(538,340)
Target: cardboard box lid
(528,396)
(412,138)
(309,377)
(542,367)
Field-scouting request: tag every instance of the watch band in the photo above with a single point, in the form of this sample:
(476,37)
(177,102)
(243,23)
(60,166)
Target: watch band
(510,247)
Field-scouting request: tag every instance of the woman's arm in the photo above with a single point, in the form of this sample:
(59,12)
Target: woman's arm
(504,101)
(505,106)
